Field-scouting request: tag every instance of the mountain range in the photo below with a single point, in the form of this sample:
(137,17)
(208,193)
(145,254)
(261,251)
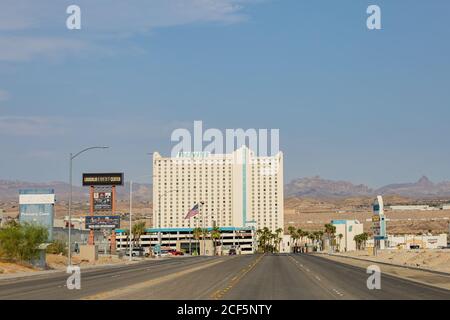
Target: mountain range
(9,190)
(317,187)
(308,187)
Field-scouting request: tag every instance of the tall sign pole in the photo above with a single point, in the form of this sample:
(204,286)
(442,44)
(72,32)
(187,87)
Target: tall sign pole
(378,224)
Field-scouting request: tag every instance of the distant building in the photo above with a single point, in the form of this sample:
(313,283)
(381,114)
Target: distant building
(348,229)
(181,239)
(38,206)
(446,207)
(412,207)
(238,190)
(420,241)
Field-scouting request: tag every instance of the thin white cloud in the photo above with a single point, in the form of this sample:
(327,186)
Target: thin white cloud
(27,21)
(118,15)
(30,126)
(16,48)
(76,126)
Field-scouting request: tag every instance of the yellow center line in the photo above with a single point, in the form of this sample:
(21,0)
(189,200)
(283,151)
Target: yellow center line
(220,293)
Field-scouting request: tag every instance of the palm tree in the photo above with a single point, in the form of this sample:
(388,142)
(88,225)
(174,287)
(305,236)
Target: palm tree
(267,239)
(301,236)
(307,235)
(278,232)
(259,234)
(360,240)
(312,236)
(138,230)
(197,232)
(320,239)
(330,230)
(292,233)
(295,238)
(215,234)
(340,236)
(364,238)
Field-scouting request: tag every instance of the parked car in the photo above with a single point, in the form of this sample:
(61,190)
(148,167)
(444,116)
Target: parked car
(139,252)
(232,252)
(164,253)
(176,253)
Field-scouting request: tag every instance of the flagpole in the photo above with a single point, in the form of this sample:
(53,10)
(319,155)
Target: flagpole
(204,231)
(190,237)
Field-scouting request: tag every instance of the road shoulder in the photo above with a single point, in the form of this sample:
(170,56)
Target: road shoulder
(435,279)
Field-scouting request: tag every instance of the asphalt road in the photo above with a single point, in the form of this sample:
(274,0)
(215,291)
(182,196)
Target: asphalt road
(248,277)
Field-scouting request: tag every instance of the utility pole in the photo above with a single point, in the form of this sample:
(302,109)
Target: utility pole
(71,157)
(159,218)
(131,209)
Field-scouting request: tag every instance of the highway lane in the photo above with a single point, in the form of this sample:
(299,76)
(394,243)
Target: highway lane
(247,277)
(303,276)
(206,283)
(94,281)
(276,277)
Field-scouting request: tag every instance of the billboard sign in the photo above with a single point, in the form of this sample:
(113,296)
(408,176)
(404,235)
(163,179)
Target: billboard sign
(102,179)
(102,222)
(37,206)
(102,201)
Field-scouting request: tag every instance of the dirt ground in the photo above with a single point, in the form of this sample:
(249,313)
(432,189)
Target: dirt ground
(60,262)
(57,262)
(9,267)
(438,260)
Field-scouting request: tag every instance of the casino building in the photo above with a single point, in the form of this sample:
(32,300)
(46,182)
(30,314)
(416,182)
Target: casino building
(236,190)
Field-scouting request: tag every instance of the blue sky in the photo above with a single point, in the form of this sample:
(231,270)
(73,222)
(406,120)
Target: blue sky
(365,106)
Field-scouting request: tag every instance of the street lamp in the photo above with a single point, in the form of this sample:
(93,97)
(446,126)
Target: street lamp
(131,209)
(72,156)
(159,218)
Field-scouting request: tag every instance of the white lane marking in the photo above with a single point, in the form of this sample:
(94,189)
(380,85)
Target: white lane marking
(338,292)
(317,277)
(307,269)
(115,276)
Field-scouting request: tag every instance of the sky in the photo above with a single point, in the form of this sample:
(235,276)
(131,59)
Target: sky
(366,106)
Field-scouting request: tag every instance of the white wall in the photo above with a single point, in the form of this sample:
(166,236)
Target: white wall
(349,230)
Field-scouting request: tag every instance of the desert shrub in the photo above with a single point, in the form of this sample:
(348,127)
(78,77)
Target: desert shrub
(21,241)
(57,247)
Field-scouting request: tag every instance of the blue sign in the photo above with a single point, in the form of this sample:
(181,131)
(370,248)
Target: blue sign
(102,222)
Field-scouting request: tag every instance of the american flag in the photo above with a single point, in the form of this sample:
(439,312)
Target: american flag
(194,211)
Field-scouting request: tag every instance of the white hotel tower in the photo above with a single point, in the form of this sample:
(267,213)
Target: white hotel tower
(238,190)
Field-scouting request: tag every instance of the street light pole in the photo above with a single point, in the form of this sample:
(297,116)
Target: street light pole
(159,226)
(159,218)
(204,230)
(131,212)
(131,208)
(70,197)
(70,211)
(200,207)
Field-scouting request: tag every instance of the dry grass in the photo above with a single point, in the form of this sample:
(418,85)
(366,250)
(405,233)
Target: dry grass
(7,267)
